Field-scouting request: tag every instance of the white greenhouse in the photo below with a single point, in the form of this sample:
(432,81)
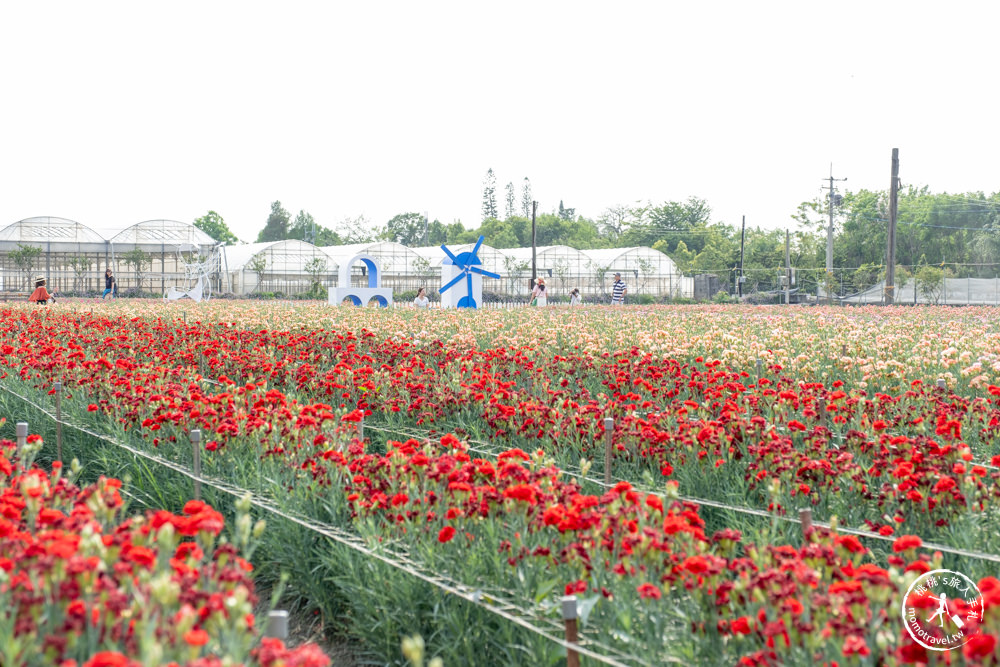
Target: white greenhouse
(147,256)
(155,255)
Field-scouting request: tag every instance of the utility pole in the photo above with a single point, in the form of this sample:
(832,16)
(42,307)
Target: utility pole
(890,255)
(829,237)
(739,279)
(534,269)
(426,227)
(788,272)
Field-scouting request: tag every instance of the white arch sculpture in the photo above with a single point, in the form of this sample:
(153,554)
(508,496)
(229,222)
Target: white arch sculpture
(361,296)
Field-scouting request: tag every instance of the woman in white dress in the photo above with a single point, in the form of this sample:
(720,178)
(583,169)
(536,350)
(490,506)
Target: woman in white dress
(574,297)
(538,293)
(421,301)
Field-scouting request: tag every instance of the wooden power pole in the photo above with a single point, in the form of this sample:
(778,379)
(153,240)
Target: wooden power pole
(890,254)
(788,271)
(534,269)
(739,280)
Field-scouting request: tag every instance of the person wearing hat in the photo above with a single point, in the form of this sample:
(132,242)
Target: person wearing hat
(41,295)
(618,291)
(538,293)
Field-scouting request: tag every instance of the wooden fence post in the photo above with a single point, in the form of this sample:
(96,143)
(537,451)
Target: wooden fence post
(21,431)
(806,519)
(569,614)
(277,624)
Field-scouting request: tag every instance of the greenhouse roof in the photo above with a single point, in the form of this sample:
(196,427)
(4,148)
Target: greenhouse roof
(160,233)
(48,229)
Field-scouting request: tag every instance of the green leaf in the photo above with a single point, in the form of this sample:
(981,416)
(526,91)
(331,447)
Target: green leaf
(585,606)
(545,588)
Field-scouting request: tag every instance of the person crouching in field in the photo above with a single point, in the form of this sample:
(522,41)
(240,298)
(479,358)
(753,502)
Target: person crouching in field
(41,295)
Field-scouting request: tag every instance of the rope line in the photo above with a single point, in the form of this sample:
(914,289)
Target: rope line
(955,551)
(495,604)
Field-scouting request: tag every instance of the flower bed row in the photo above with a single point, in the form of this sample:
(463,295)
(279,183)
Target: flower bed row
(82,584)
(714,429)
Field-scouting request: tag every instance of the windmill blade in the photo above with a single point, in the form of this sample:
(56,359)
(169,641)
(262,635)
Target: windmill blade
(468,285)
(484,272)
(454,281)
(449,253)
(475,251)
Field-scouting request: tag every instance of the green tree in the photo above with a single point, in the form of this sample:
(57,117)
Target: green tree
(517,273)
(24,259)
(526,198)
(930,281)
(490,196)
(212,224)
(276,228)
(510,200)
(513,233)
(407,229)
(316,268)
(615,220)
(672,222)
(566,213)
(80,265)
(139,260)
(358,230)
(305,228)
(258,265)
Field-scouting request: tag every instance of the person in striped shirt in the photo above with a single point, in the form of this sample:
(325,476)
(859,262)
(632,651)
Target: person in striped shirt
(618,291)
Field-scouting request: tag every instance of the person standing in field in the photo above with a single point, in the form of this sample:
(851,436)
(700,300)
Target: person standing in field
(109,284)
(538,297)
(422,301)
(574,297)
(618,291)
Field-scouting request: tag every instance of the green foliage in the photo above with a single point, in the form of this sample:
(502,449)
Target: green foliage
(526,198)
(408,229)
(358,230)
(80,265)
(276,228)
(305,228)
(490,196)
(722,297)
(139,260)
(316,268)
(212,224)
(930,281)
(24,259)
(258,265)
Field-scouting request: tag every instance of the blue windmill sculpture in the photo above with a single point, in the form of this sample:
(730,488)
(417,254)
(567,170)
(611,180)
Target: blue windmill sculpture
(462,278)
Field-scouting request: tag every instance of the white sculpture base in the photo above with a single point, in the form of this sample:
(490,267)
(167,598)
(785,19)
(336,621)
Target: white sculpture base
(361,296)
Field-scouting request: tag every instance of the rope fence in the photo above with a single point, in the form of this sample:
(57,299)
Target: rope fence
(576,472)
(504,609)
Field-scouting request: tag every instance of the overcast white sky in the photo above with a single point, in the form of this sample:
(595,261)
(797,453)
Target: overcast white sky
(117,112)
